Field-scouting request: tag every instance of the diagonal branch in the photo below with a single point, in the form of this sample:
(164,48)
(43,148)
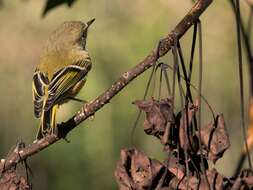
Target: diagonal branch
(90,108)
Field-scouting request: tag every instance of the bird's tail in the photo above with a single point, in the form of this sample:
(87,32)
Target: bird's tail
(47,122)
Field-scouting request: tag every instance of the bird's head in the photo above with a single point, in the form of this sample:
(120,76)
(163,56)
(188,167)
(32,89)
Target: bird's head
(69,35)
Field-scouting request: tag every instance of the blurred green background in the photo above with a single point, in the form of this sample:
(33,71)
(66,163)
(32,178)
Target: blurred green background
(123,34)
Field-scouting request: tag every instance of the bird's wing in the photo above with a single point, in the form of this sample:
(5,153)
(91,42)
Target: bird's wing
(64,79)
(39,84)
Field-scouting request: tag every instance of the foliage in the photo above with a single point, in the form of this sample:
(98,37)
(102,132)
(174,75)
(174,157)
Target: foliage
(51,4)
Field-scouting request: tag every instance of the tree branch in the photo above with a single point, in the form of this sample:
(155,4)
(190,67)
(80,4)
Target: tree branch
(90,108)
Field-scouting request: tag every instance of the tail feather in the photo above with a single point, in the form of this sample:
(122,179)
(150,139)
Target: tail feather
(47,123)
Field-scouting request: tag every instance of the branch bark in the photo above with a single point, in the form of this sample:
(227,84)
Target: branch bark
(89,109)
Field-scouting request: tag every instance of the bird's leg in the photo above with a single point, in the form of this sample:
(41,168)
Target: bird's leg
(77,100)
(54,129)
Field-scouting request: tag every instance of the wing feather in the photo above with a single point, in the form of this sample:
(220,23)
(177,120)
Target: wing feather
(40,81)
(65,79)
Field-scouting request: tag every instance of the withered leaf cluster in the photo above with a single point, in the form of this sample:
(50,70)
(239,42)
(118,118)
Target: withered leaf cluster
(172,130)
(243,181)
(10,180)
(136,171)
(178,132)
(189,148)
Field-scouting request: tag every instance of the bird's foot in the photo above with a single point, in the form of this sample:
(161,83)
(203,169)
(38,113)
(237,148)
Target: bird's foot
(78,100)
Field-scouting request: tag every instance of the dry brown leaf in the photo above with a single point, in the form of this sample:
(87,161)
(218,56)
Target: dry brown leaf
(175,167)
(215,139)
(159,118)
(12,181)
(136,171)
(185,127)
(215,180)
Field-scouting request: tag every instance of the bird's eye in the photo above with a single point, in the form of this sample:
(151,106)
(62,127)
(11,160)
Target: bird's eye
(83,39)
(84,35)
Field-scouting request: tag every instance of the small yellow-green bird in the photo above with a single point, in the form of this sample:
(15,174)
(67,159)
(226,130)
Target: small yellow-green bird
(61,72)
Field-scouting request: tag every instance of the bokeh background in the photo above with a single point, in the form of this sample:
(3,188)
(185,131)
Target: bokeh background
(123,34)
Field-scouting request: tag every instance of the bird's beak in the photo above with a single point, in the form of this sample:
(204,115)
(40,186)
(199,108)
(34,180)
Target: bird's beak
(90,22)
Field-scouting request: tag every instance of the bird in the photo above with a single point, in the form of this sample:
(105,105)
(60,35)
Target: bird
(61,72)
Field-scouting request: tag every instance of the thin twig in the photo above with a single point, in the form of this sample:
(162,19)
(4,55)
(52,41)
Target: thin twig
(139,113)
(247,45)
(199,99)
(192,52)
(248,51)
(196,89)
(249,25)
(241,80)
